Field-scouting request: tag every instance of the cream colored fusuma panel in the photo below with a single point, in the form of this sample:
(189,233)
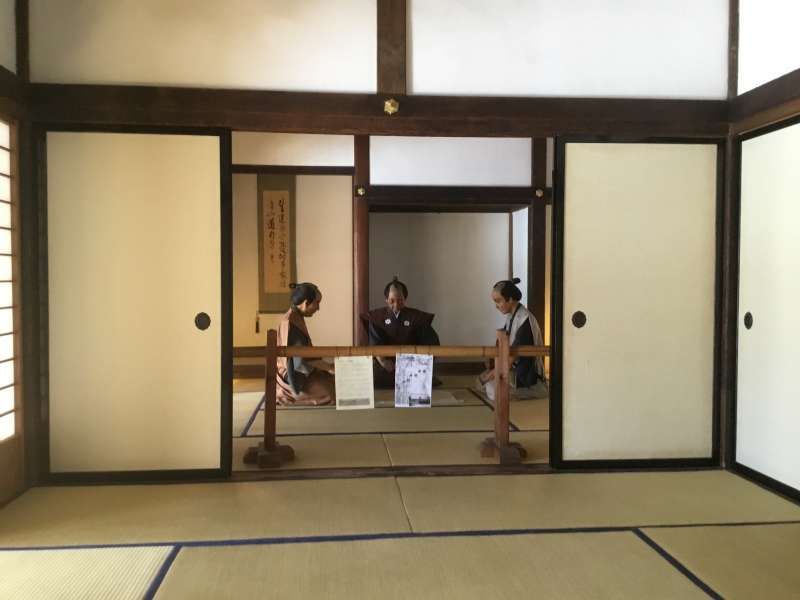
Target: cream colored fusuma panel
(133,226)
(610,48)
(639,262)
(768,403)
(313,45)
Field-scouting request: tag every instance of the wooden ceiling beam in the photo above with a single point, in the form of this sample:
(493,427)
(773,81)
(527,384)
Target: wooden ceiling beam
(312,112)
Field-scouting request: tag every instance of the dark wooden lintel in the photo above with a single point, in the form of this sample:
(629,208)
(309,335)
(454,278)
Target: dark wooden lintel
(292,169)
(362,114)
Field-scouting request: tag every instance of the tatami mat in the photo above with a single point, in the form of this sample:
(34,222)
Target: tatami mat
(322,420)
(165,513)
(108,573)
(457,448)
(576,566)
(759,561)
(244,405)
(322,451)
(588,500)
(530,414)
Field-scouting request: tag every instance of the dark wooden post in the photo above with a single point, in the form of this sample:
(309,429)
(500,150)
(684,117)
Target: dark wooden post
(501,408)
(270,389)
(269,453)
(509,453)
(360,238)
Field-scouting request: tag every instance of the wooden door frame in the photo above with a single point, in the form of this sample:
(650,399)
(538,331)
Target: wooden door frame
(557,308)
(36,247)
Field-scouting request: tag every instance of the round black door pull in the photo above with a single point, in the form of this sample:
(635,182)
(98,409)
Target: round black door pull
(748,320)
(579,319)
(202,321)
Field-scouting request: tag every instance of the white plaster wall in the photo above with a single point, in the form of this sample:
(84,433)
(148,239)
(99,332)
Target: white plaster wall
(768,402)
(520,250)
(313,45)
(293,149)
(639,260)
(133,224)
(614,48)
(449,262)
(8,35)
(324,256)
(768,42)
(397,160)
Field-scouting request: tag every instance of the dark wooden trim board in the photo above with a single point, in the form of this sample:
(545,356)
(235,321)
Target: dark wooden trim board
(23,46)
(362,114)
(291,170)
(38,395)
(411,198)
(767,104)
(733,48)
(537,232)
(392,47)
(11,87)
(729,303)
(768,482)
(557,318)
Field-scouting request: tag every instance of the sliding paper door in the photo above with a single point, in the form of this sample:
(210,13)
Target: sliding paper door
(136,322)
(636,224)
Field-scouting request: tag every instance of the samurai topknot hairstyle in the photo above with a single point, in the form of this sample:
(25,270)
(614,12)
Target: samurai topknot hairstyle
(508,289)
(303,292)
(396,284)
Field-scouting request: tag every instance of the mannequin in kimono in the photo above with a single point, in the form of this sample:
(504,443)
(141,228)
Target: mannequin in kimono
(397,324)
(527,373)
(301,381)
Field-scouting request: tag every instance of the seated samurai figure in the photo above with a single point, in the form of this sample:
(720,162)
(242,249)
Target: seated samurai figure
(301,381)
(397,324)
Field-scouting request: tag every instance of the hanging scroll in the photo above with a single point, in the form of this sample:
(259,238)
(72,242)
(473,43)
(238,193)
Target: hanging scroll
(277,266)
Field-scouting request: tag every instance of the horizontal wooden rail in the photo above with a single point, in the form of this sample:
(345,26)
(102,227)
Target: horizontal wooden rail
(269,453)
(388,351)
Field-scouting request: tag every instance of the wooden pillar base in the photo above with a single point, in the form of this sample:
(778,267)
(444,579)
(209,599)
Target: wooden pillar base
(512,454)
(268,458)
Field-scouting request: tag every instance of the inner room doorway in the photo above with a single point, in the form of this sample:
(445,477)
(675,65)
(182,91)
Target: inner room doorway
(470,235)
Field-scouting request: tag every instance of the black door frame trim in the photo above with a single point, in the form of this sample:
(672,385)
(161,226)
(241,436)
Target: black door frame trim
(42,398)
(735,466)
(557,307)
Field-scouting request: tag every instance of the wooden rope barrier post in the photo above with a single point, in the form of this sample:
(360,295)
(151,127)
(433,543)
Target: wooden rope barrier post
(509,453)
(269,453)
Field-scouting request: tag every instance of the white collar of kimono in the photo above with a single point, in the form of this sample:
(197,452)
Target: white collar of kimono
(515,321)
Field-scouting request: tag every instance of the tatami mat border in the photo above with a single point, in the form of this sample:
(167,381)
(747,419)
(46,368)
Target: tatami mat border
(677,564)
(636,530)
(162,573)
(318,539)
(252,418)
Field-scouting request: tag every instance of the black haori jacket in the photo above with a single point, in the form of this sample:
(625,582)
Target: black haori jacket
(410,327)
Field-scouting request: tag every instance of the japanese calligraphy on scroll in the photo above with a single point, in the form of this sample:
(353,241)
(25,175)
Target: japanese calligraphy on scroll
(276,239)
